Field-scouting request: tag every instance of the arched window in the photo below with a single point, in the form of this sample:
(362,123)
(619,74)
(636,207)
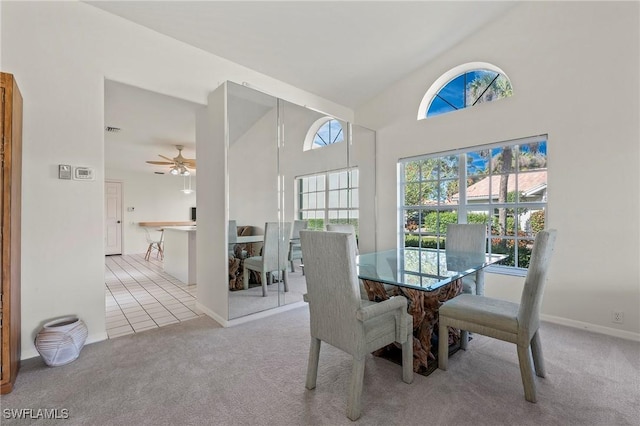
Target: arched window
(465,86)
(325,131)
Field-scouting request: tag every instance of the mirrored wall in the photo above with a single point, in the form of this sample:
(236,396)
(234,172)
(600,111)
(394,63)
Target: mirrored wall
(287,164)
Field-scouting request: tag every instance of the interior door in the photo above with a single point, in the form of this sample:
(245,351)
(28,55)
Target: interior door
(113,218)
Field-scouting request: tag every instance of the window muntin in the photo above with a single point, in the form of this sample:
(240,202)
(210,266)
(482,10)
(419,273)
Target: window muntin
(329,133)
(469,89)
(503,186)
(464,86)
(330,197)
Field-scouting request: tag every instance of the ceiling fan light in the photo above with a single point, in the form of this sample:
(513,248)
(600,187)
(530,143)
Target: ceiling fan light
(185,172)
(174,171)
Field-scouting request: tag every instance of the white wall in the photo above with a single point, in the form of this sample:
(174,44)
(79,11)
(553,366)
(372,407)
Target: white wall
(60,54)
(155,198)
(574,68)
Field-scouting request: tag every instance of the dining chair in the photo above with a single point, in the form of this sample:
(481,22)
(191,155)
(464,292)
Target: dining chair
(295,251)
(339,317)
(274,256)
(344,227)
(468,238)
(350,229)
(155,242)
(503,320)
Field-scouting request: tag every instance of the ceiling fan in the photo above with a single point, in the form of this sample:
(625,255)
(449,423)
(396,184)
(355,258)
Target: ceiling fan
(179,164)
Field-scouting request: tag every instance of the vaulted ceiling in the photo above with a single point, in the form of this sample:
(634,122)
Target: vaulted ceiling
(343,51)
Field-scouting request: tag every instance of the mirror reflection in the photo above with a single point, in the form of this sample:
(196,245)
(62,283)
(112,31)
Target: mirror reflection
(318,170)
(253,196)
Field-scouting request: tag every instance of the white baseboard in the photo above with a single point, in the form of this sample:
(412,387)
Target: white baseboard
(628,335)
(208,312)
(248,318)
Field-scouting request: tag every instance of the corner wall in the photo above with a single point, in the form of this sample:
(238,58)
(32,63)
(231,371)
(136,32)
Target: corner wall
(574,68)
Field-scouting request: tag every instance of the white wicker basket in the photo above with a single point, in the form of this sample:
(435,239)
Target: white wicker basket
(60,341)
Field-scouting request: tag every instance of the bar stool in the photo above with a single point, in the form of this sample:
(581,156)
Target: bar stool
(155,243)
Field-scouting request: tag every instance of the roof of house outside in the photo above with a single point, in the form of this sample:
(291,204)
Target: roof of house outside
(529,183)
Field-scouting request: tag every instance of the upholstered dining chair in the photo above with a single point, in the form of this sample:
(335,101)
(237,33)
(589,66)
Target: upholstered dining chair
(155,240)
(342,319)
(274,256)
(344,227)
(295,251)
(468,238)
(503,320)
(350,229)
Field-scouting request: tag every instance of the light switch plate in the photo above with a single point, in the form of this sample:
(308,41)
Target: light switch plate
(64,171)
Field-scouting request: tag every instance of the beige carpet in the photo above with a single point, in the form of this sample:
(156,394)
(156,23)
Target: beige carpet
(197,373)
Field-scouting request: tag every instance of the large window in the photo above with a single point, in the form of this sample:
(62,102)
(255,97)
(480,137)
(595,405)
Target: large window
(330,197)
(503,186)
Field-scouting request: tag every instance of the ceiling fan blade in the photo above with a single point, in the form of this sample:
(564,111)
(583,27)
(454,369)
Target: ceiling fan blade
(167,158)
(160,163)
(189,162)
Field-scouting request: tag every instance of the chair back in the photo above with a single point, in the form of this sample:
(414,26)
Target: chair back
(276,246)
(529,313)
(298,225)
(332,287)
(466,238)
(233,232)
(343,227)
(154,236)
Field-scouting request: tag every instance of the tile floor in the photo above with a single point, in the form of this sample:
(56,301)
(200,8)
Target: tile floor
(141,296)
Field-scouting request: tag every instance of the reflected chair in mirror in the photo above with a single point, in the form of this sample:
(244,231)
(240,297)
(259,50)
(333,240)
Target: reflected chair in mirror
(468,238)
(274,256)
(506,321)
(233,236)
(155,239)
(295,251)
(342,319)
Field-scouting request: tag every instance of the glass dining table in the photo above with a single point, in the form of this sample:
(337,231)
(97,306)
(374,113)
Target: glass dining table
(427,278)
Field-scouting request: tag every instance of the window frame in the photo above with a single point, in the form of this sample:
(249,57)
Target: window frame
(310,138)
(351,196)
(463,206)
(449,76)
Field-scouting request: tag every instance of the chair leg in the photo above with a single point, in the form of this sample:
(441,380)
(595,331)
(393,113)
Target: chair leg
(443,345)
(245,278)
(148,254)
(526,371)
(312,367)
(407,359)
(355,389)
(293,269)
(464,339)
(285,280)
(263,278)
(536,351)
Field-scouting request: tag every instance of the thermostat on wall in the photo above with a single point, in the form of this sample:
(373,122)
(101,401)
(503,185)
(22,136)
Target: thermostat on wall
(83,173)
